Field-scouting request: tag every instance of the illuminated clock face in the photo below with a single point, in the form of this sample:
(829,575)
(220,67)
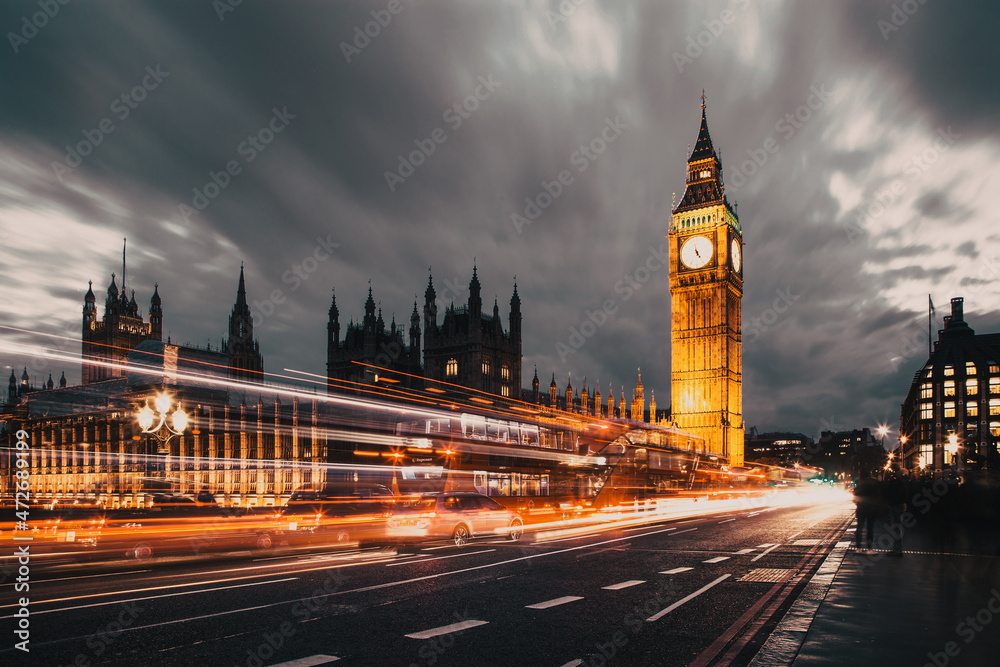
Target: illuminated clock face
(737,259)
(696,252)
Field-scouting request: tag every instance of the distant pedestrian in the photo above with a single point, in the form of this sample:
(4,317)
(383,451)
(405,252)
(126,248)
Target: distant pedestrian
(894,494)
(867,508)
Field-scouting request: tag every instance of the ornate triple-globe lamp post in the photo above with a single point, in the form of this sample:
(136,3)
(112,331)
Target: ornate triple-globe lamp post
(161,424)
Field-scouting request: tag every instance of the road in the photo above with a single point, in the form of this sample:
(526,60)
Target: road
(704,591)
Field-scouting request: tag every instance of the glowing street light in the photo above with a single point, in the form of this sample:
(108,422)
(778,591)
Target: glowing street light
(156,423)
(952,446)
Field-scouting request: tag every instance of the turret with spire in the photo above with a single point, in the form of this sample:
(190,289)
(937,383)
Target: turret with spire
(245,360)
(415,330)
(475,305)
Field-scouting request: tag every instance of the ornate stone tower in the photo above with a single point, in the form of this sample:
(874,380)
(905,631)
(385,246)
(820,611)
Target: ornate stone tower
(245,360)
(706,293)
(108,341)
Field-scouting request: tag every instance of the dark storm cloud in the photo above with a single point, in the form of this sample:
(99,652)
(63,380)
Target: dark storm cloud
(354,109)
(967,249)
(943,52)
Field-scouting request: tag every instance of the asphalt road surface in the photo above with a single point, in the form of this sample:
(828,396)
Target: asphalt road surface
(701,591)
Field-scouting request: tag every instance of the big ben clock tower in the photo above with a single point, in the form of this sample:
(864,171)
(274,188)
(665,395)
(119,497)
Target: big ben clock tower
(706,293)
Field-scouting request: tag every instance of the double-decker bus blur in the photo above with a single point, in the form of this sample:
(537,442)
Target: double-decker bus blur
(531,465)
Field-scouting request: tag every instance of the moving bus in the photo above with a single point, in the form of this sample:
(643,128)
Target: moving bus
(528,465)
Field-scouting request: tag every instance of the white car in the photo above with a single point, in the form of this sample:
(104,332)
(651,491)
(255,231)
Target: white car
(458,516)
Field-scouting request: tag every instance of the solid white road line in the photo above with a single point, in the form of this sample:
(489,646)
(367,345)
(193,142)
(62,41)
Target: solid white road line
(554,603)
(312,660)
(143,590)
(727,521)
(435,548)
(445,629)
(566,539)
(660,614)
(717,559)
(87,576)
(155,597)
(624,584)
(677,570)
(792,537)
(573,663)
(679,532)
(410,562)
(764,546)
(424,560)
(764,553)
(644,528)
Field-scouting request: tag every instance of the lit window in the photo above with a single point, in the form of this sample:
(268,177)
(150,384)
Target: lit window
(995,385)
(994,406)
(972,386)
(486,368)
(505,391)
(995,428)
(948,370)
(994,368)
(949,387)
(971,409)
(505,372)
(949,409)
(928,371)
(451,368)
(970,368)
(926,390)
(926,410)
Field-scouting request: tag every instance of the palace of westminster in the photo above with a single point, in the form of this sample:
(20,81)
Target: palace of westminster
(470,353)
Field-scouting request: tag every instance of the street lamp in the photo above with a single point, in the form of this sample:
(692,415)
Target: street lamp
(952,446)
(162,431)
(156,423)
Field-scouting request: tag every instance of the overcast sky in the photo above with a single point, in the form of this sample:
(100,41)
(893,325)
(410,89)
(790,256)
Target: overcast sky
(874,131)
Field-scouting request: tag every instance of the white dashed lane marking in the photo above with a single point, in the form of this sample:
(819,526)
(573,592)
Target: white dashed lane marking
(554,603)
(764,553)
(677,604)
(311,661)
(677,570)
(717,559)
(624,584)
(445,629)
(743,552)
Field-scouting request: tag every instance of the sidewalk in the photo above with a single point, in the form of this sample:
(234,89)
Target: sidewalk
(937,605)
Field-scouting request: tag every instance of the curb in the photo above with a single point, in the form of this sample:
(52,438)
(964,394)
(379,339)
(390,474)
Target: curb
(782,647)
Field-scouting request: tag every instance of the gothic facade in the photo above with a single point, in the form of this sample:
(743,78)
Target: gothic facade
(468,347)
(109,340)
(367,346)
(471,348)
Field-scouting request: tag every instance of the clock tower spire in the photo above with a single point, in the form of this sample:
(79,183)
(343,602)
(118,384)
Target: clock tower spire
(706,294)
